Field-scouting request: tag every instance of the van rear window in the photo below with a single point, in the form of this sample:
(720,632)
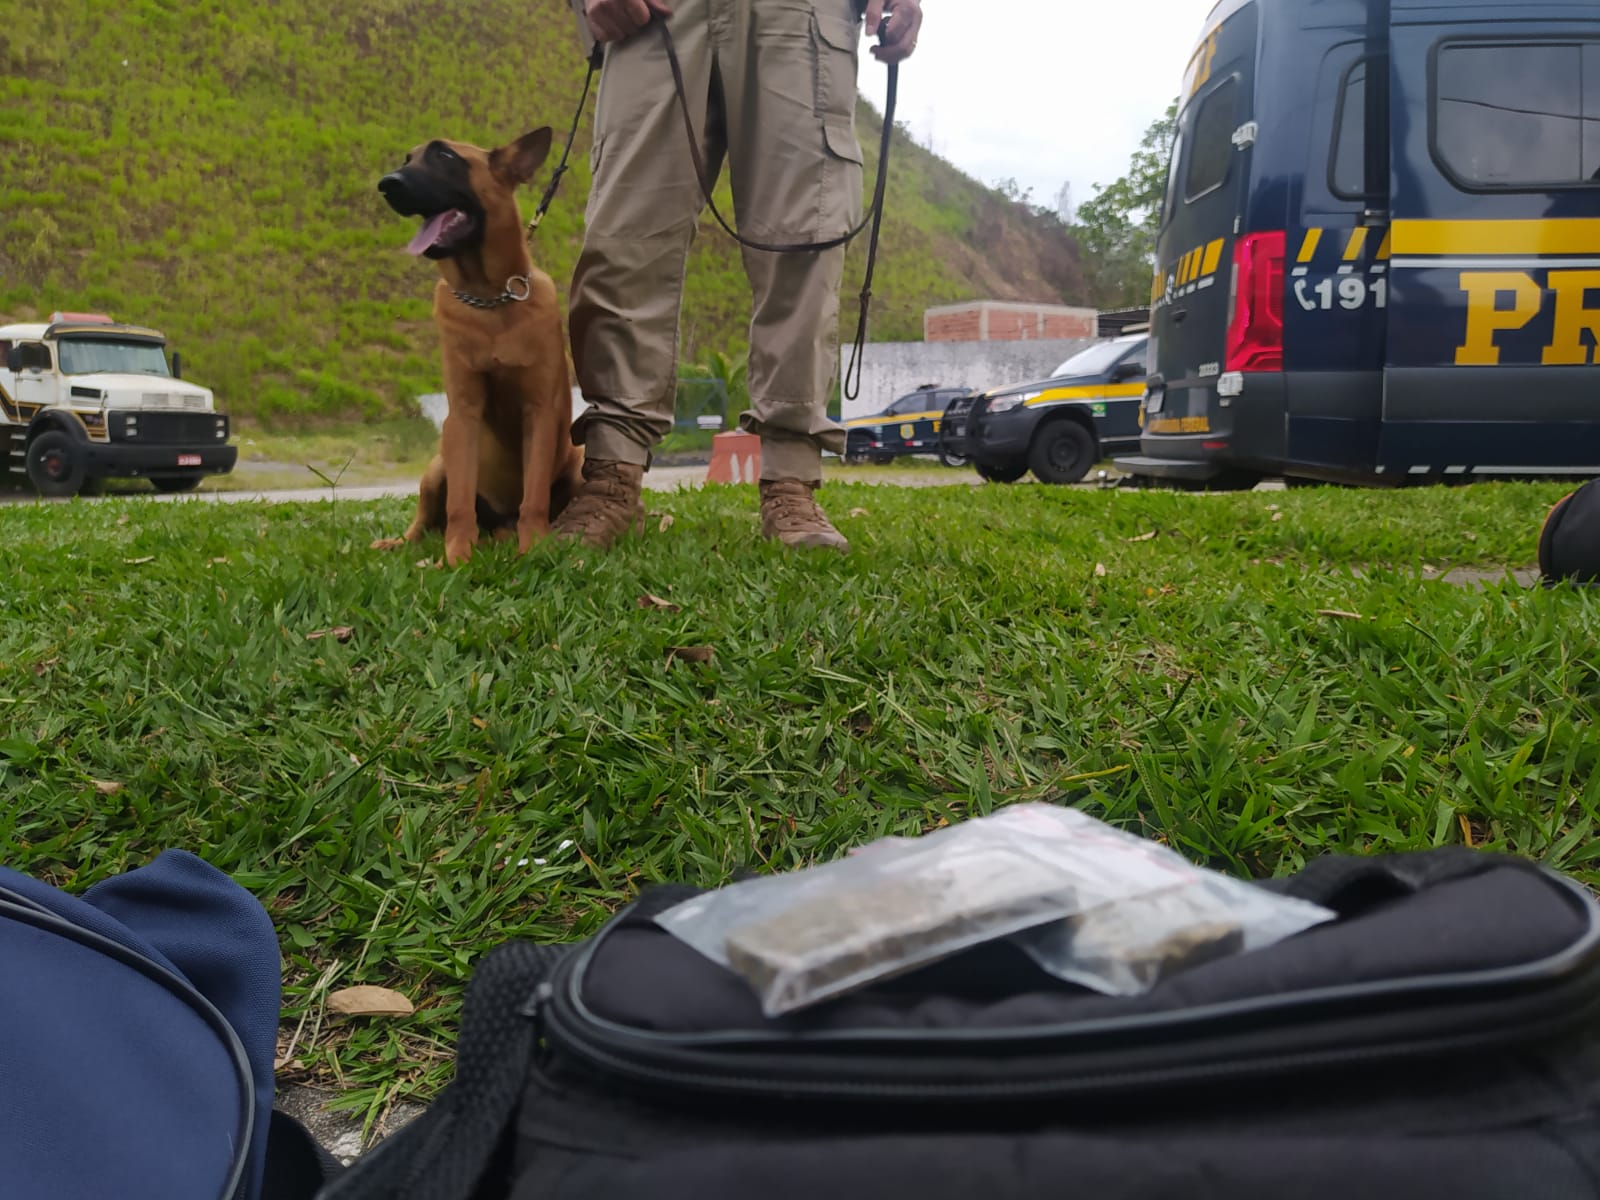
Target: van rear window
(1211,141)
(1349,169)
(1518,114)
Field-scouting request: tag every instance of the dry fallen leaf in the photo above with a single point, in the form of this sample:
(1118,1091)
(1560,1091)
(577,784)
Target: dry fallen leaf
(1340,613)
(649,601)
(136,562)
(480,722)
(217,562)
(858,512)
(341,633)
(1100,570)
(1143,537)
(690,654)
(1277,516)
(368,1001)
(123,519)
(666,523)
(106,787)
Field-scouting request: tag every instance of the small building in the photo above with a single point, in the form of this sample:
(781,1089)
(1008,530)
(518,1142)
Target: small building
(1007,321)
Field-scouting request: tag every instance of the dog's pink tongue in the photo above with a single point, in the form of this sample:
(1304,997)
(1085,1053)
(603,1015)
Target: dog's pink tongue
(429,233)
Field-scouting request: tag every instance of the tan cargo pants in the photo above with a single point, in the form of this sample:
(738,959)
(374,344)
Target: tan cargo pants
(772,88)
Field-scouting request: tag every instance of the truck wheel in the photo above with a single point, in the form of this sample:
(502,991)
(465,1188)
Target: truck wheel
(1009,473)
(952,460)
(175,483)
(1062,452)
(55,464)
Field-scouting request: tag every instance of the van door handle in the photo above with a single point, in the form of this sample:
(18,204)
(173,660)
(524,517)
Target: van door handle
(1178,314)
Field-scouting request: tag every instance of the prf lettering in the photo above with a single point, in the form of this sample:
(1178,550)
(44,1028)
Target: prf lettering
(1500,301)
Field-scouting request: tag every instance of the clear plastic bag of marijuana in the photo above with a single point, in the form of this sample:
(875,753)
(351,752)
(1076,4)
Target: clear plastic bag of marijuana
(1090,904)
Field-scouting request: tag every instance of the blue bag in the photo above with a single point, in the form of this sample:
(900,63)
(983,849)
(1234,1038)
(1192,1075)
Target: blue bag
(138,1025)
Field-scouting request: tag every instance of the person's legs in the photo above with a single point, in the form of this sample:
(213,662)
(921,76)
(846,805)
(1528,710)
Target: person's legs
(628,285)
(789,81)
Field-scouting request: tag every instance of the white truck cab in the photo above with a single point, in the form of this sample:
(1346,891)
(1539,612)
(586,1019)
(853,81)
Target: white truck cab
(84,398)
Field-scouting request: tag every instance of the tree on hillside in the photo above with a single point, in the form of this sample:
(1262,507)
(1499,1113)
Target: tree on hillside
(1116,230)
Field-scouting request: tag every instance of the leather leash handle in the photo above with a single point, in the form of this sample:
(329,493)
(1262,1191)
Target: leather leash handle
(874,216)
(851,386)
(549,196)
(703,176)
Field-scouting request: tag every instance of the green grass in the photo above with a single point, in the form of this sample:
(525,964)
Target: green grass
(210,168)
(502,751)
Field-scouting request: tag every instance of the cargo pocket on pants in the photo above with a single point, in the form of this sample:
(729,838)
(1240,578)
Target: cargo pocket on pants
(835,43)
(842,169)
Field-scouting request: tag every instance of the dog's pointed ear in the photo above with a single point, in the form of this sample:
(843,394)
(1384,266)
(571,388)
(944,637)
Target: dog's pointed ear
(516,163)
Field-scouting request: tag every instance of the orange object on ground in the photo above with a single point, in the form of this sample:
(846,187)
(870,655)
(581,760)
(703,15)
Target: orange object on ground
(735,458)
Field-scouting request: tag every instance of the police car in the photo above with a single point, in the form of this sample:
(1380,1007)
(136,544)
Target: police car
(1057,428)
(910,425)
(1379,249)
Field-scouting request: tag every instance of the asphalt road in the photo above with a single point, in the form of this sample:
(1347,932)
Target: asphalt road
(661,479)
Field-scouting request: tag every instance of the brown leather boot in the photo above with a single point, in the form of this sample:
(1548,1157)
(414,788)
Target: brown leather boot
(605,507)
(790,513)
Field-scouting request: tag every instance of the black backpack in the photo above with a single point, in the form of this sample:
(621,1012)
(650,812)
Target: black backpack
(1569,543)
(1438,1040)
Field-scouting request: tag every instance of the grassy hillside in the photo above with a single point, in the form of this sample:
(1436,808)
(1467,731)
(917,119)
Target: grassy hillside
(209,167)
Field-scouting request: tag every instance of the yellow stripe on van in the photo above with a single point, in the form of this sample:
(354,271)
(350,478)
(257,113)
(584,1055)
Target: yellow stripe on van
(1309,246)
(1383,246)
(1356,244)
(1093,391)
(1213,257)
(1558,235)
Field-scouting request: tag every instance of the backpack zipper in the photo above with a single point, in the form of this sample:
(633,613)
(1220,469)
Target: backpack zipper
(1346,1026)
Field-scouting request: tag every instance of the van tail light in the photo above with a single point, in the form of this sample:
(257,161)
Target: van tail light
(1255,304)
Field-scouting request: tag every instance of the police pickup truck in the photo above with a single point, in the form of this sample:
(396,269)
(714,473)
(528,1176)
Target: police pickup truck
(1058,427)
(84,398)
(908,426)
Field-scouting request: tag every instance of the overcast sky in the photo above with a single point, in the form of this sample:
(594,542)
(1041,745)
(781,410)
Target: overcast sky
(1041,91)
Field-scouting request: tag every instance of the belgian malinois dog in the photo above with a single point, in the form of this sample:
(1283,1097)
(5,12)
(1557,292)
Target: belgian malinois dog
(506,457)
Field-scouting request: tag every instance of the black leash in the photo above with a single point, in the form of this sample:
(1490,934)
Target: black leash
(595,60)
(874,215)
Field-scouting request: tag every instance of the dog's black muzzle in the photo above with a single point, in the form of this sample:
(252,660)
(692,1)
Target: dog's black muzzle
(401,196)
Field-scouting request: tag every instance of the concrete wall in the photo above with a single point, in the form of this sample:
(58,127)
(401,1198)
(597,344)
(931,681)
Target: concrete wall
(891,369)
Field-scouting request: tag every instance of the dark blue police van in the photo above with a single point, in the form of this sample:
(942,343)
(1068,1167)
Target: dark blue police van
(1379,255)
